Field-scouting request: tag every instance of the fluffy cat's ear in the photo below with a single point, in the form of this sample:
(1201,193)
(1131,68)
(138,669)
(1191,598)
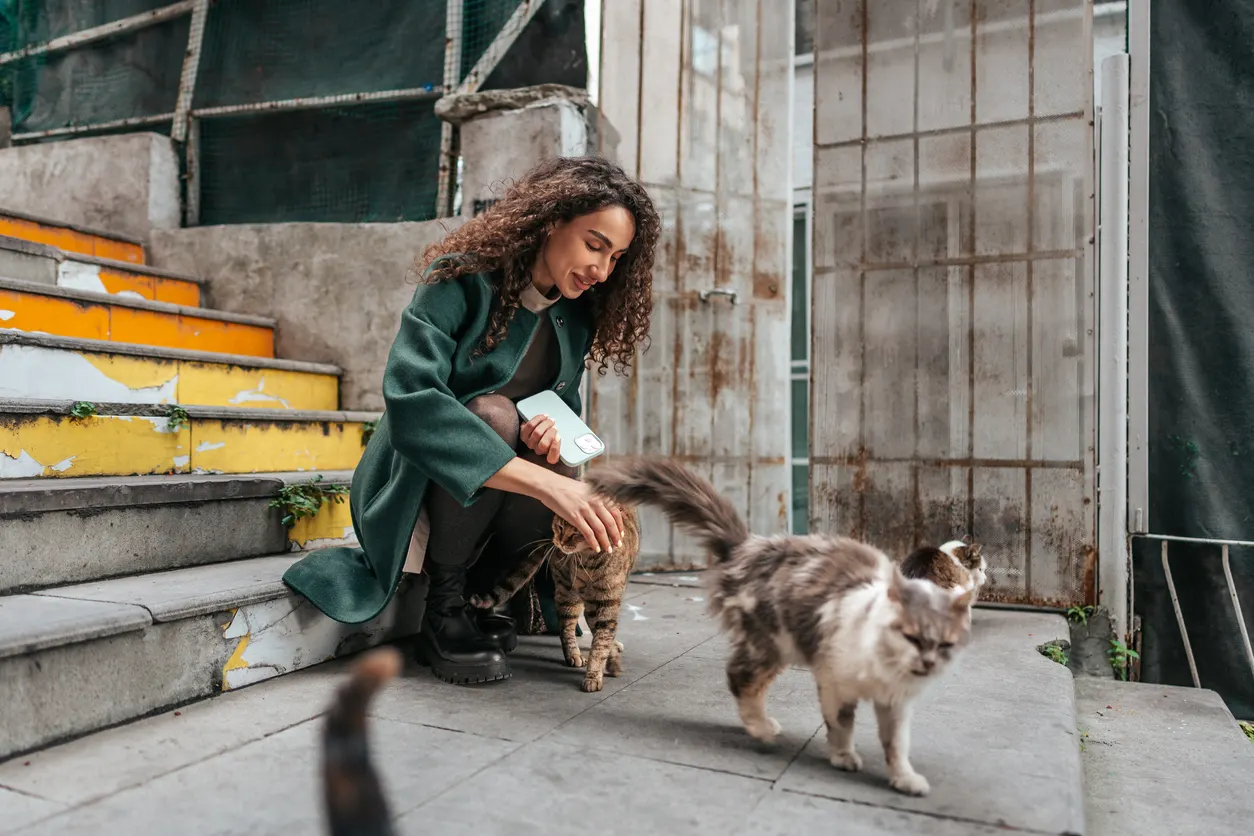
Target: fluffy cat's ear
(962,600)
(966,539)
(895,585)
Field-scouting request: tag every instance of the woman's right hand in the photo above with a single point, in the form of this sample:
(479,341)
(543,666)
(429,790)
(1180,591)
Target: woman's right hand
(575,502)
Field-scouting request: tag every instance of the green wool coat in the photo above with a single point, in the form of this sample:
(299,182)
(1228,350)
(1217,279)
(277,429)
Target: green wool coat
(426,434)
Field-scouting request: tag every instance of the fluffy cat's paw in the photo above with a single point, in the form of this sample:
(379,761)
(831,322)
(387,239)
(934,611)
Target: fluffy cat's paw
(910,783)
(482,602)
(575,660)
(849,761)
(765,731)
(619,645)
(591,684)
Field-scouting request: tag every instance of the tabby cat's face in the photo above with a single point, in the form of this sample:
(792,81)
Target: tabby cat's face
(567,538)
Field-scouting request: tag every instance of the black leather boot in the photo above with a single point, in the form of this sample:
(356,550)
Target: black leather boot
(498,627)
(450,641)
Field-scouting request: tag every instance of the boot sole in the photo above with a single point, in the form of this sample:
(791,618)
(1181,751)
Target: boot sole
(455,674)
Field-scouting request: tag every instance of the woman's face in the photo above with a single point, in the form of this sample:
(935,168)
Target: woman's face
(582,252)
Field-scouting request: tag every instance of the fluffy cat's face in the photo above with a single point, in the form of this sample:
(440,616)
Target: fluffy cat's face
(931,625)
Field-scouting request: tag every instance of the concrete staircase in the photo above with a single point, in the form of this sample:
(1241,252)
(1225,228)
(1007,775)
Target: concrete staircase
(150,449)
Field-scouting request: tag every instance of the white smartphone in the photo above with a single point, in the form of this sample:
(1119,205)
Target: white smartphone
(578,443)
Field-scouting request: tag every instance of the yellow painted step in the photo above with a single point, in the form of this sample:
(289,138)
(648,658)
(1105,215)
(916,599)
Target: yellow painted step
(115,278)
(60,368)
(45,439)
(37,308)
(71,238)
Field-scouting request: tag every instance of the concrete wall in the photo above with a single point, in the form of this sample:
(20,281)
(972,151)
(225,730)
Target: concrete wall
(337,290)
(123,184)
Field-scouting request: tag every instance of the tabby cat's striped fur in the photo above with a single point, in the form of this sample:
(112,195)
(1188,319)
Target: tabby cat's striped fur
(586,582)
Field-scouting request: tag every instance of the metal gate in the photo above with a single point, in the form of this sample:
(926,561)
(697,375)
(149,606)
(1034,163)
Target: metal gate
(696,101)
(953,307)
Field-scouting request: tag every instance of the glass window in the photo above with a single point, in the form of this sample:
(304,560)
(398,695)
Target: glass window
(800,297)
(801,499)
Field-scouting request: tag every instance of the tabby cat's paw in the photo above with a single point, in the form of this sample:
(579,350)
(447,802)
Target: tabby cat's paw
(591,684)
(482,602)
(619,645)
(849,761)
(613,666)
(575,660)
(910,783)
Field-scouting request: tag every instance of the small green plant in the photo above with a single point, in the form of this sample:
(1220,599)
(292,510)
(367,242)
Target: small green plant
(305,499)
(178,418)
(1084,735)
(1248,728)
(367,430)
(83,409)
(1080,614)
(1054,652)
(1120,657)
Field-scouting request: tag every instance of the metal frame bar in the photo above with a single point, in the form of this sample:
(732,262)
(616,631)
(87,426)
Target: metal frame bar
(500,45)
(1138,265)
(1112,345)
(191,66)
(100,33)
(277,106)
(1175,603)
(453,17)
(1232,594)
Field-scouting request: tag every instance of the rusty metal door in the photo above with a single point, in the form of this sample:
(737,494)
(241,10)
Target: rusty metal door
(953,308)
(694,99)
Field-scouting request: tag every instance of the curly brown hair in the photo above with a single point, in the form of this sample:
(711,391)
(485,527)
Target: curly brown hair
(505,240)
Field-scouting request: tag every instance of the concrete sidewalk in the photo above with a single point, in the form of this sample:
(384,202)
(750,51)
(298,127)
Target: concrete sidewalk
(659,750)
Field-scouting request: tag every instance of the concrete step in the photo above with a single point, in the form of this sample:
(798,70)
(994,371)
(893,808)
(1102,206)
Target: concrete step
(71,238)
(40,263)
(1160,759)
(40,308)
(40,438)
(66,368)
(62,531)
(80,658)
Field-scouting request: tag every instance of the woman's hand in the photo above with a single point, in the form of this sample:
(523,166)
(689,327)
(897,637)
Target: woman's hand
(540,436)
(600,523)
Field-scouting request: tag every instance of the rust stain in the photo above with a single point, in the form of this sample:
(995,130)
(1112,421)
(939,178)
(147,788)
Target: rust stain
(718,367)
(1090,575)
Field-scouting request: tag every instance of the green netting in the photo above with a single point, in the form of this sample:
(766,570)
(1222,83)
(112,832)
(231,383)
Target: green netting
(362,162)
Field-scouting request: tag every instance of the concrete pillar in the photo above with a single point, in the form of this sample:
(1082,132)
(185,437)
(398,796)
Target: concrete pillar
(505,132)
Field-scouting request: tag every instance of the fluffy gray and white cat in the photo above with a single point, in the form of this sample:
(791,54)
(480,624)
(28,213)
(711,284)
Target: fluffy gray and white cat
(837,606)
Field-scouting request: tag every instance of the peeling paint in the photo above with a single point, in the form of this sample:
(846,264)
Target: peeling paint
(19,466)
(284,635)
(181,462)
(5,316)
(258,395)
(209,445)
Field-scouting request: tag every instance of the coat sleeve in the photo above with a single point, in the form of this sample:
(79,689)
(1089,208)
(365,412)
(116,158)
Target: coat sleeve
(429,426)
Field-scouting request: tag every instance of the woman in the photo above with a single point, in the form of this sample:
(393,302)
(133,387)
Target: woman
(512,302)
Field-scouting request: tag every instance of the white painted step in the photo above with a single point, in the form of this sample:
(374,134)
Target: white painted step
(80,658)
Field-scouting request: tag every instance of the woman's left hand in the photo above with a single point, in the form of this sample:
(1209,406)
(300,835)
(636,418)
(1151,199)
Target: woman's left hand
(540,436)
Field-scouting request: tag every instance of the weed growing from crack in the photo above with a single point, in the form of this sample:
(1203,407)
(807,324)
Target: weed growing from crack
(83,409)
(1120,657)
(305,499)
(1054,652)
(1080,614)
(367,430)
(178,418)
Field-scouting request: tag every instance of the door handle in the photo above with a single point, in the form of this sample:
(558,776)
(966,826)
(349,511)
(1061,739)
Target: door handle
(730,293)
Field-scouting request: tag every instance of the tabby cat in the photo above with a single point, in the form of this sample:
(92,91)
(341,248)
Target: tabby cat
(832,604)
(584,580)
(352,796)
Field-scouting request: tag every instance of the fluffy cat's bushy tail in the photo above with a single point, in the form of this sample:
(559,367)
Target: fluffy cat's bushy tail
(686,498)
(352,795)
